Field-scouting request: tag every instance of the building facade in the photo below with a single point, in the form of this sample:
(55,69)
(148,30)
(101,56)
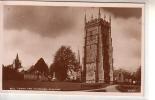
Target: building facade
(98,51)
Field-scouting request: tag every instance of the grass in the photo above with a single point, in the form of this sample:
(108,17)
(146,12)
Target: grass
(128,88)
(49,86)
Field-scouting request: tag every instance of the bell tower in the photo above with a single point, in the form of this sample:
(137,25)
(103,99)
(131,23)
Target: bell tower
(98,58)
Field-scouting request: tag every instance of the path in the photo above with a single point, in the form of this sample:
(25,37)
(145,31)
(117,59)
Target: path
(110,88)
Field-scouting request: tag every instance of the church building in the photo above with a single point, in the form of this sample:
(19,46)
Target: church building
(98,51)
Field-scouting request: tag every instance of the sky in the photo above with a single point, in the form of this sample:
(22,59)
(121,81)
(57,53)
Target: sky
(39,31)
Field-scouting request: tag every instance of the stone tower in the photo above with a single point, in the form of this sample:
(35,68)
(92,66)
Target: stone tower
(98,51)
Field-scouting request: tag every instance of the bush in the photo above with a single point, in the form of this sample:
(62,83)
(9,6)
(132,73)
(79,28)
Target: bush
(128,88)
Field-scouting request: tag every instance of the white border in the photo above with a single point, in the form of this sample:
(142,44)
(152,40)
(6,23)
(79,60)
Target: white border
(79,4)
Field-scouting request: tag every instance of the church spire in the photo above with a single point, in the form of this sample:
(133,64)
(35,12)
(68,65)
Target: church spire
(99,14)
(110,20)
(16,63)
(17,58)
(78,56)
(85,18)
(92,17)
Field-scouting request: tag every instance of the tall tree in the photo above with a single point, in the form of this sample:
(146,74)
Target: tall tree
(64,61)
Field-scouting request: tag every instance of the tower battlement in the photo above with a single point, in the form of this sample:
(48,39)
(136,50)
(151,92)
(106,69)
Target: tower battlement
(97,21)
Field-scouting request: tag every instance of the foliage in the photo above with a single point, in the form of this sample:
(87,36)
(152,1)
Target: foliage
(138,75)
(8,73)
(64,61)
(128,88)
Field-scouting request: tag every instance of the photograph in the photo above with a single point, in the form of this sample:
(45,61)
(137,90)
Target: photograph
(83,47)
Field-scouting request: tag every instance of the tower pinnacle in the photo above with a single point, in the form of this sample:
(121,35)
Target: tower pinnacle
(99,14)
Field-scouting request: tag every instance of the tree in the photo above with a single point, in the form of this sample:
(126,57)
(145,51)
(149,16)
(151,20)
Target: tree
(8,73)
(64,61)
(138,75)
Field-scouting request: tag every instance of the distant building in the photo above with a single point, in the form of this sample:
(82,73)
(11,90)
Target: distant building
(13,71)
(122,76)
(16,63)
(75,75)
(98,51)
(119,76)
(37,72)
(72,75)
(35,76)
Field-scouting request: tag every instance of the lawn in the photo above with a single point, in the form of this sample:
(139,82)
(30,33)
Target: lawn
(49,86)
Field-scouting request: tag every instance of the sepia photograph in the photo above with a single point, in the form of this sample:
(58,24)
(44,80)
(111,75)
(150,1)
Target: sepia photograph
(62,47)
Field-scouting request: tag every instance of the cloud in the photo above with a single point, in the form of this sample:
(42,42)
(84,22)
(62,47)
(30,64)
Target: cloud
(124,12)
(126,37)
(36,32)
(46,21)
(33,47)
